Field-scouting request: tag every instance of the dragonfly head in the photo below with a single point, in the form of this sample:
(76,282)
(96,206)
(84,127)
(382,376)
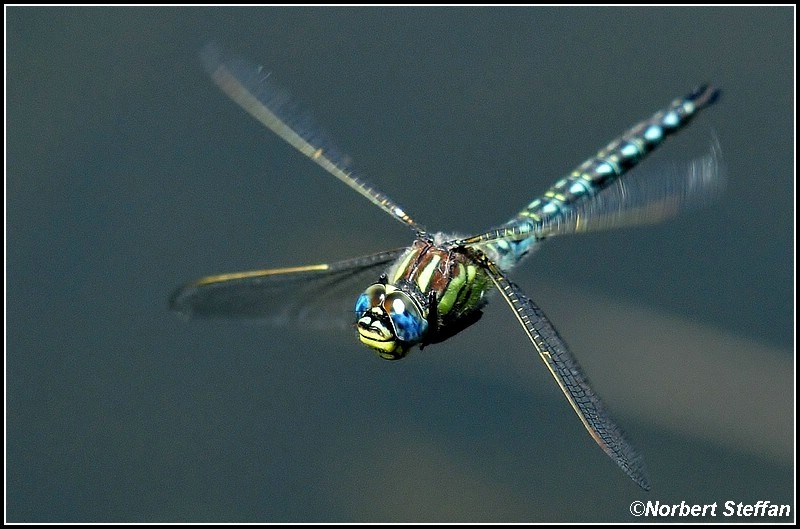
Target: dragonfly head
(390,321)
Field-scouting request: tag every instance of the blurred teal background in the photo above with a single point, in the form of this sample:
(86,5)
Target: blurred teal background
(129,173)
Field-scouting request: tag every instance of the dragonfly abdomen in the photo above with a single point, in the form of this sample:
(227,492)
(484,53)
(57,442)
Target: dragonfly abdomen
(617,157)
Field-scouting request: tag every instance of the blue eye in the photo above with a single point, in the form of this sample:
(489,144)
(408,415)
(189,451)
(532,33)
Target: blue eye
(362,304)
(409,325)
(372,297)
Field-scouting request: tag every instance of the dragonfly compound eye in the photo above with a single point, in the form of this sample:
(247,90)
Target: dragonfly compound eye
(409,325)
(362,305)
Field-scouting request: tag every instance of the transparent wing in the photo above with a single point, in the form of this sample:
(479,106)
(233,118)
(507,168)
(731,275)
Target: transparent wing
(248,86)
(319,296)
(570,378)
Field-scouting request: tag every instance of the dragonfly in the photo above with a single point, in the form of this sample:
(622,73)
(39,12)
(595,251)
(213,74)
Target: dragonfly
(439,285)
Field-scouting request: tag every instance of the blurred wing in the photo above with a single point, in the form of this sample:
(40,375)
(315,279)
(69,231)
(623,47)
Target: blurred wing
(646,196)
(320,296)
(570,378)
(247,85)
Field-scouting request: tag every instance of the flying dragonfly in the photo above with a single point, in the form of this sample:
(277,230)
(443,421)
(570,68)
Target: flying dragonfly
(438,286)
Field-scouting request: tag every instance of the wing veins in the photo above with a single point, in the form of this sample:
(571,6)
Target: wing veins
(247,86)
(271,293)
(570,378)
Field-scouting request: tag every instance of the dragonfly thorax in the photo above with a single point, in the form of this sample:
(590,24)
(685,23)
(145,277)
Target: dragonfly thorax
(431,293)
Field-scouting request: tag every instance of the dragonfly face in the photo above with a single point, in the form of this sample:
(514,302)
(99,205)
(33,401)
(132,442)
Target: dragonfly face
(390,321)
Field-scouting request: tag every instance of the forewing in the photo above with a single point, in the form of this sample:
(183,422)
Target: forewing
(249,86)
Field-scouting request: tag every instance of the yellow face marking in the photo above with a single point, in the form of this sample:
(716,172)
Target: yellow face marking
(381,334)
(221,278)
(380,346)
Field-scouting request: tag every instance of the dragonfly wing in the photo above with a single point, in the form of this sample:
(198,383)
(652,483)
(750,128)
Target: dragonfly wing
(570,378)
(249,87)
(320,296)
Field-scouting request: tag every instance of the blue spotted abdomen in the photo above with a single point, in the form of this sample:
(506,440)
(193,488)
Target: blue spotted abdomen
(618,157)
(596,173)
